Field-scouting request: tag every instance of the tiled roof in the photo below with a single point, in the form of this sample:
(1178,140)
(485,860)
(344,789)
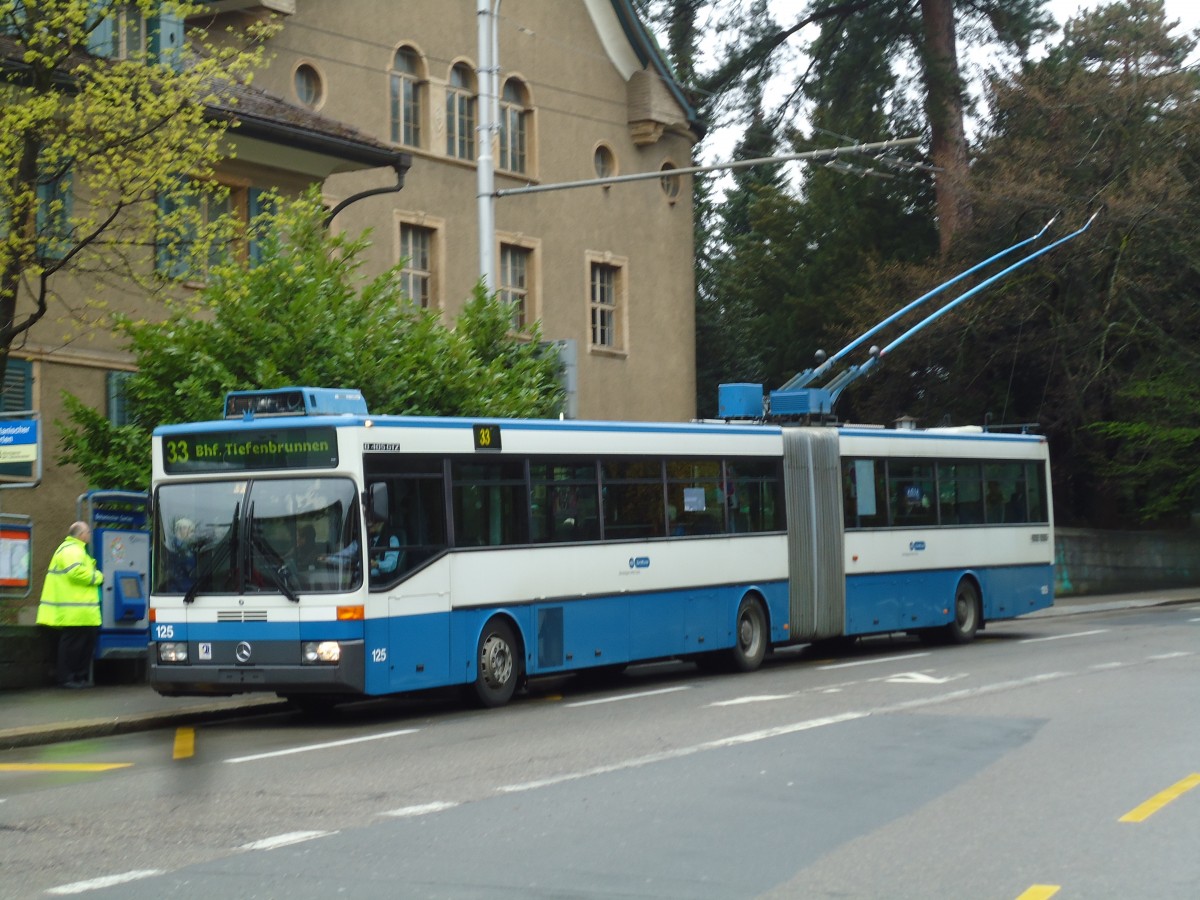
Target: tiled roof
(255,113)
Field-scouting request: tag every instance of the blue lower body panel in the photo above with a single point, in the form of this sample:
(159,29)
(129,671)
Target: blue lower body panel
(907,601)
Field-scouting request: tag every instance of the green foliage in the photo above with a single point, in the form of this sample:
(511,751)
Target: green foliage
(303,315)
(91,143)
(1092,339)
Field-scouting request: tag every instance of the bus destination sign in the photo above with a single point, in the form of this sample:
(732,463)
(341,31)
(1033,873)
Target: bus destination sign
(228,451)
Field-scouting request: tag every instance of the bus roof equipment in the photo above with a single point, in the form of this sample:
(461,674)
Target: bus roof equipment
(797,400)
(294,401)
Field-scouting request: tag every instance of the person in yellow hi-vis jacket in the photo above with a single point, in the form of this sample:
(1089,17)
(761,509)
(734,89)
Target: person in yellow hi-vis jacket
(71,605)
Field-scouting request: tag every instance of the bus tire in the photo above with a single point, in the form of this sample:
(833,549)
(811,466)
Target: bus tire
(967,614)
(497,664)
(750,637)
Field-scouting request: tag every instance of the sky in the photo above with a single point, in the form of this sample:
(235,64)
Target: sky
(720,144)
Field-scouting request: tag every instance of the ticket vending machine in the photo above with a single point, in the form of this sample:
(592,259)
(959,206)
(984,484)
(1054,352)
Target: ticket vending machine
(121,545)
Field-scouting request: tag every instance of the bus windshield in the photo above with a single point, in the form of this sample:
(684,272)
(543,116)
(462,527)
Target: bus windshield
(284,536)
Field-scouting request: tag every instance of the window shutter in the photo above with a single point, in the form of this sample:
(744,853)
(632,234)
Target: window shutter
(258,201)
(118,405)
(164,36)
(17,393)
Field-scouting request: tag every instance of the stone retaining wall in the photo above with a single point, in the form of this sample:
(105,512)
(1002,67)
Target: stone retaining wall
(1115,562)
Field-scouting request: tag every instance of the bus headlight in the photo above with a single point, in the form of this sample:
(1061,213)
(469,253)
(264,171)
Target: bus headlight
(317,652)
(172,652)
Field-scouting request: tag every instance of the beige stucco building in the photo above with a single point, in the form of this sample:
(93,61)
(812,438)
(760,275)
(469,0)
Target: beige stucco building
(580,95)
(352,84)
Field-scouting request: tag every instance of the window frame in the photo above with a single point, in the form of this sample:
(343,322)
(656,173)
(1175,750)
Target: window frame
(515,118)
(429,277)
(608,314)
(406,97)
(462,113)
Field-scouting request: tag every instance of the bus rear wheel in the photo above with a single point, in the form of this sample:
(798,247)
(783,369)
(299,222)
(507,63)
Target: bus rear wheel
(498,664)
(750,637)
(966,614)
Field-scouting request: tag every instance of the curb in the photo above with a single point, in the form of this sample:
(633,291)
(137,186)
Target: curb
(35,735)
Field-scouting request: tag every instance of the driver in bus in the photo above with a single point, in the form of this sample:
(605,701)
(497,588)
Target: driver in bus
(384,548)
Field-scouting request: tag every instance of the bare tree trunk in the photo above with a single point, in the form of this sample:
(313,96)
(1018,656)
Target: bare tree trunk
(944,107)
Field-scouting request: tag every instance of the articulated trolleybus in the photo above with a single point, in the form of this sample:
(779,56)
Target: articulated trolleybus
(305,547)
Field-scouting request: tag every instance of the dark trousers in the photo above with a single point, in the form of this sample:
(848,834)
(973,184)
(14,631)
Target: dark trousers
(76,644)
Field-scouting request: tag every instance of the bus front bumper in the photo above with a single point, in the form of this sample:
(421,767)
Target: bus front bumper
(274,666)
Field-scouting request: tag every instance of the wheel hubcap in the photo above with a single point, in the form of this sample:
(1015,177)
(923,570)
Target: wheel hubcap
(495,662)
(747,636)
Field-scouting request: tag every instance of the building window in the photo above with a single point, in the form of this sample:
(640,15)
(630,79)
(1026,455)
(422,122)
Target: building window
(604,161)
(196,228)
(669,183)
(118,403)
(460,114)
(514,282)
(124,31)
(309,88)
(416,277)
(605,293)
(54,213)
(513,116)
(406,97)
(129,32)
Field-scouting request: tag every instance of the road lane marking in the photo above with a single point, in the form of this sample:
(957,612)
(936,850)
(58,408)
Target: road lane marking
(919,678)
(779,731)
(423,809)
(634,696)
(62,767)
(871,662)
(1059,637)
(761,698)
(285,840)
(680,752)
(1161,799)
(1040,892)
(1176,655)
(185,743)
(80,887)
(325,746)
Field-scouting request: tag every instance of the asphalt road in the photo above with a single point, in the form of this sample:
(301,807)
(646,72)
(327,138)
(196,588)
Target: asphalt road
(998,770)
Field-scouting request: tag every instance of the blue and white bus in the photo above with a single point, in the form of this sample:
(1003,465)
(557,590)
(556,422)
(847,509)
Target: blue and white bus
(305,547)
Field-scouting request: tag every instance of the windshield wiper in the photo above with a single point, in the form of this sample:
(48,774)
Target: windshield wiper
(223,553)
(278,576)
(280,579)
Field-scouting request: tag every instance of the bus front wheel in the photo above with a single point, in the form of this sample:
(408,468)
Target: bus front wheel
(498,664)
(962,628)
(750,637)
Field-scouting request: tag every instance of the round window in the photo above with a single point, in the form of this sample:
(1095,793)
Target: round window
(308,85)
(605,162)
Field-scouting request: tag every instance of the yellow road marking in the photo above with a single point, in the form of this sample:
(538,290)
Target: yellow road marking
(1040,892)
(1158,801)
(62,767)
(185,743)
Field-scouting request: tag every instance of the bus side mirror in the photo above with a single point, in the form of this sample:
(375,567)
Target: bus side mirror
(377,501)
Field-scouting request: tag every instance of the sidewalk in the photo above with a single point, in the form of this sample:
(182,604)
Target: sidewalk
(49,715)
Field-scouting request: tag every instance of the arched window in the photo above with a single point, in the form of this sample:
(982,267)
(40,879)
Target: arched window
(513,136)
(460,113)
(406,100)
